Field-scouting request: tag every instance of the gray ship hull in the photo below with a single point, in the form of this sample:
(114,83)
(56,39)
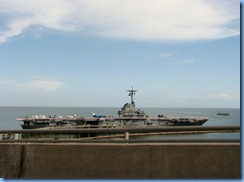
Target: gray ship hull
(118,122)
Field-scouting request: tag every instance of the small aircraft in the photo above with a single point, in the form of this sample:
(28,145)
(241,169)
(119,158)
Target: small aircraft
(98,116)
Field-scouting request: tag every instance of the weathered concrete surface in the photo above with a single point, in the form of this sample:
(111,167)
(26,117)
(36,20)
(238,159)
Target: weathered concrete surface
(188,160)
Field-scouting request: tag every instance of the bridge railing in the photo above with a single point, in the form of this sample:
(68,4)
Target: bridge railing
(103,134)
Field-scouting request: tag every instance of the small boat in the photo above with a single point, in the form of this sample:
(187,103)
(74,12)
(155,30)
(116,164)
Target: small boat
(223,113)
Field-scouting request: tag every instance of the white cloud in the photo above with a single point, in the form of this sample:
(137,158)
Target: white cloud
(162,55)
(190,61)
(7,81)
(143,20)
(175,60)
(221,95)
(39,85)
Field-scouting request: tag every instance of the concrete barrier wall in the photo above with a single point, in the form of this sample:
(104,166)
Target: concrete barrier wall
(176,160)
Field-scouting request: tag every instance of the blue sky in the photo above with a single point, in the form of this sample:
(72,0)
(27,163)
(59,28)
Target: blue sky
(87,53)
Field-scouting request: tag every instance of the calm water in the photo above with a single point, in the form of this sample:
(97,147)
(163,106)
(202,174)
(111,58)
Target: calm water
(8,117)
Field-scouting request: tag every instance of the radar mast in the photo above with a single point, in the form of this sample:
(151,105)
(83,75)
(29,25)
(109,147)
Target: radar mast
(131,93)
